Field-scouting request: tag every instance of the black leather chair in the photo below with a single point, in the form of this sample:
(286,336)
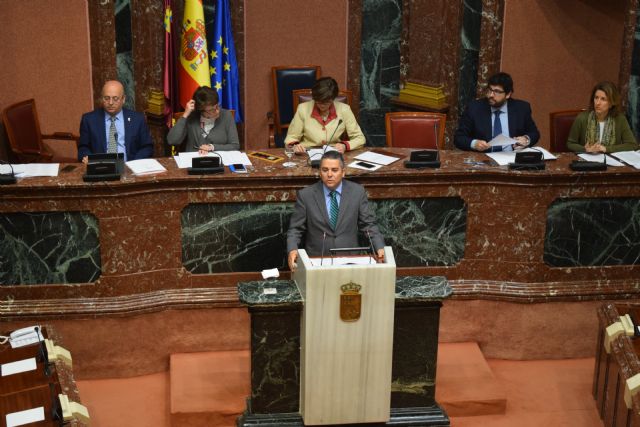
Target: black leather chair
(285,79)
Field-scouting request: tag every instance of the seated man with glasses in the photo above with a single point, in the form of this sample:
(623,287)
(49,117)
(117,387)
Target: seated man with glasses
(113,129)
(498,113)
(206,126)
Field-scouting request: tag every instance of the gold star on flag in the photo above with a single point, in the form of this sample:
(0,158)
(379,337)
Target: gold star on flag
(225,50)
(227,66)
(220,41)
(213,54)
(168,15)
(212,70)
(218,86)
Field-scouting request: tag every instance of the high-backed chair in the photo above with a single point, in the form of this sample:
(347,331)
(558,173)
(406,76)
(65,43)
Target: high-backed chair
(28,144)
(303,95)
(560,123)
(415,129)
(285,79)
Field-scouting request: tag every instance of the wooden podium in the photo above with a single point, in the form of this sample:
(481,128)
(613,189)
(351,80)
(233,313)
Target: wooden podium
(346,339)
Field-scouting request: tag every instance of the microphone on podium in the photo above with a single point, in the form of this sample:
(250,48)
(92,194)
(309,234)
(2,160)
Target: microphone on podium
(316,163)
(324,238)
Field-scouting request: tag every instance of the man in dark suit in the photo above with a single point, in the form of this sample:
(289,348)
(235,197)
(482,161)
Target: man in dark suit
(328,214)
(113,129)
(498,113)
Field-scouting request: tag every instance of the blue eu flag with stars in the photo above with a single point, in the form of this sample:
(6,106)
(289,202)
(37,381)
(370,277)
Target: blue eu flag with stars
(223,66)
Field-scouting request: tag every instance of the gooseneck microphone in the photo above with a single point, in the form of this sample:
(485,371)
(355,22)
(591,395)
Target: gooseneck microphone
(6,178)
(316,163)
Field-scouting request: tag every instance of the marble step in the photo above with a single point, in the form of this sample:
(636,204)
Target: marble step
(208,388)
(465,384)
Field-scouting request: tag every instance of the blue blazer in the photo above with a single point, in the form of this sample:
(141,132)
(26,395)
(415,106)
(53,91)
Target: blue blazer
(93,135)
(476,123)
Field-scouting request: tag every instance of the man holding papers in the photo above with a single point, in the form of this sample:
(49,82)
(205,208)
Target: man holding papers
(497,115)
(329,213)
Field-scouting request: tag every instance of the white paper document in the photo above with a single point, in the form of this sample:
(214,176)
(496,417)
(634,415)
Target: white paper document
(352,260)
(371,157)
(145,166)
(18,367)
(502,140)
(600,158)
(30,170)
(632,158)
(234,157)
(29,416)
(316,153)
(503,158)
(270,273)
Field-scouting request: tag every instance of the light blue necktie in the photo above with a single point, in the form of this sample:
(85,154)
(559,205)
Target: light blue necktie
(333,210)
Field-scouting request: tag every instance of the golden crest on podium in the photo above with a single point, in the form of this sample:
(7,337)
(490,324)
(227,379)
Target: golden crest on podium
(350,302)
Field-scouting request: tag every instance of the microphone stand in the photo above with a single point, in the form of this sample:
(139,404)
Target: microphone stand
(6,178)
(316,163)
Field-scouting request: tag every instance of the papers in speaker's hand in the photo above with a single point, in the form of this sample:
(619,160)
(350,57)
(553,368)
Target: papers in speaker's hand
(503,158)
(183,160)
(145,166)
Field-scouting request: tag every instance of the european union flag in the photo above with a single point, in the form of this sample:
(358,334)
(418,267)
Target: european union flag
(223,66)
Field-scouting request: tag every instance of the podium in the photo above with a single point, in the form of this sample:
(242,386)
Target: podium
(278,309)
(346,339)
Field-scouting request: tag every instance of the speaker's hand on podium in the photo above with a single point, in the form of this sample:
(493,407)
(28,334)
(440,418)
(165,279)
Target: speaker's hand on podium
(380,255)
(293,256)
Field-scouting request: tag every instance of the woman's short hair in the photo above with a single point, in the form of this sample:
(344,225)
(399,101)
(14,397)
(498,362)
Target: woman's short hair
(613,96)
(205,96)
(325,89)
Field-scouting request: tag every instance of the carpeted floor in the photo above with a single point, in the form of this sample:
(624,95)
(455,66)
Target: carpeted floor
(539,393)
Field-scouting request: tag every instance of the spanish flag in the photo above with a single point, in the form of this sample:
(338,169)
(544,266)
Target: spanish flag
(194,62)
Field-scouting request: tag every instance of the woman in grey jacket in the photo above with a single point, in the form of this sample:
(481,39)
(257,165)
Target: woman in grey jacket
(206,126)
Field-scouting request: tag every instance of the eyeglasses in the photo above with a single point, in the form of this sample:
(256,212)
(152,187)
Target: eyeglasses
(495,91)
(115,99)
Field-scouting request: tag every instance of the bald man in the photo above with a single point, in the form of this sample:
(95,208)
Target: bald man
(112,129)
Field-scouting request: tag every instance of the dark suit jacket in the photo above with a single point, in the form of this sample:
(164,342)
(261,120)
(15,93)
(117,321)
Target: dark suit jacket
(477,119)
(311,220)
(93,136)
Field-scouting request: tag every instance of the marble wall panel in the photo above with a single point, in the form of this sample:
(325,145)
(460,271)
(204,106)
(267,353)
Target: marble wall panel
(593,232)
(124,51)
(633,97)
(380,65)
(49,247)
(220,238)
(469,51)
(423,232)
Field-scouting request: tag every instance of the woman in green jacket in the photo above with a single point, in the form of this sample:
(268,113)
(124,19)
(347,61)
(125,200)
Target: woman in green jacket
(603,128)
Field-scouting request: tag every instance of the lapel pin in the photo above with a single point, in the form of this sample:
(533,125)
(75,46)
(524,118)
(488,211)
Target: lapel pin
(128,119)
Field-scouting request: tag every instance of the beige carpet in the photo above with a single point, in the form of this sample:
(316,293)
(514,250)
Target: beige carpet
(538,393)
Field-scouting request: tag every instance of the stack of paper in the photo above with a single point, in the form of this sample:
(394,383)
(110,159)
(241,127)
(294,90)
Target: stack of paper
(31,169)
(145,166)
(600,158)
(370,161)
(631,158)
(503,158)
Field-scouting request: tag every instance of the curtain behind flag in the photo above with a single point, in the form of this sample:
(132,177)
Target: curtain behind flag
(194,63)
(224,67)
(170,87)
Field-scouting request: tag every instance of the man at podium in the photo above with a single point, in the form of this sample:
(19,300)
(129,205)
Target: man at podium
(329,213)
